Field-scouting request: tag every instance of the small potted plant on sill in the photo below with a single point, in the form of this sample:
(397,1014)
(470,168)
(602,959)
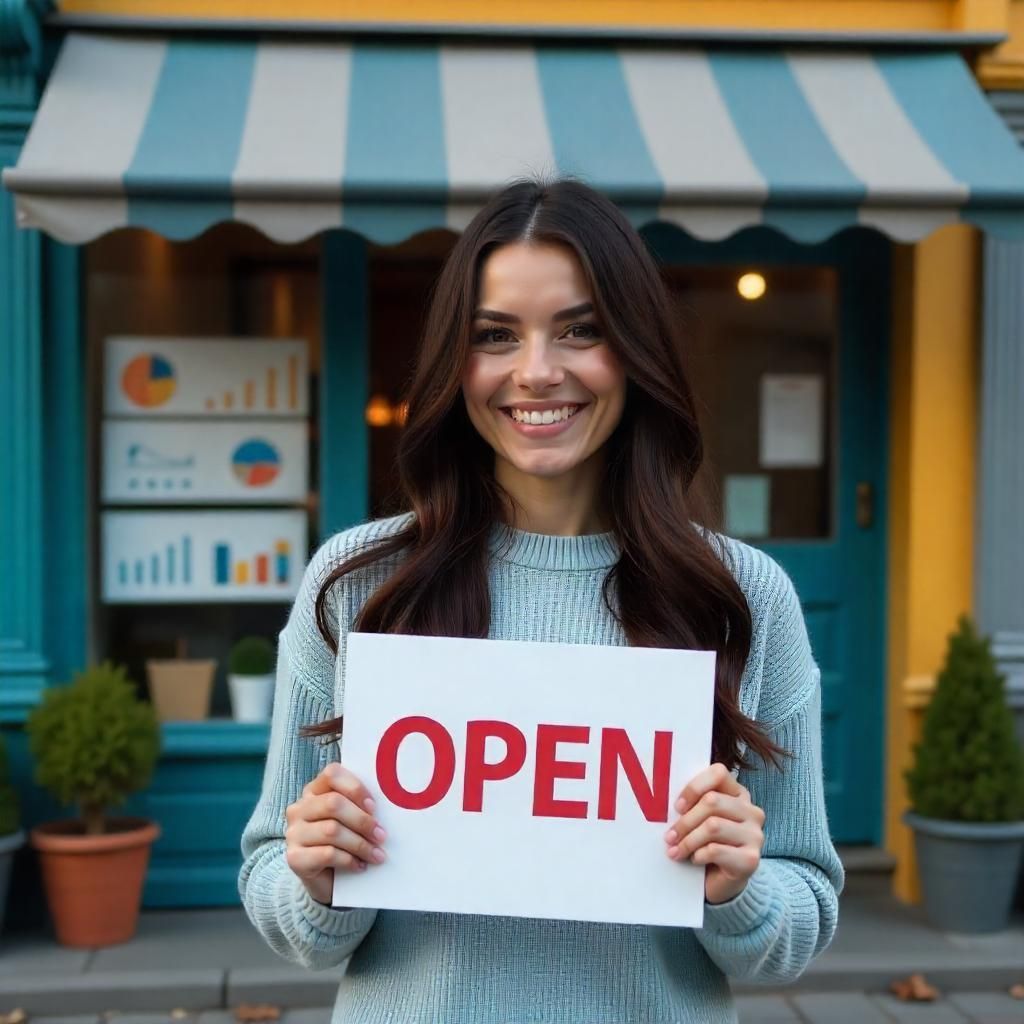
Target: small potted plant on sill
(12,838)
(94,742)
(251,679)
(181,687)
(966,788)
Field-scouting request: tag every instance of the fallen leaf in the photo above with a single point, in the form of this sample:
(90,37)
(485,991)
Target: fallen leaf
(18,1016)
(250,1013)
(914,989)
(179,1014)
(1017,991)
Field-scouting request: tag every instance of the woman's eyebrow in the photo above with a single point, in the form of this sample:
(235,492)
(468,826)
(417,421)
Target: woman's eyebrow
(508,318)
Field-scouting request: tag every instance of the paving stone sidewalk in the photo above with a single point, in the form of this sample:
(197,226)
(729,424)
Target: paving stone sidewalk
(203,962)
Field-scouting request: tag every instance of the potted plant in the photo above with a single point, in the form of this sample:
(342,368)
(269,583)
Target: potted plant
(181,687)
(94,742)
(12,838)
(251,678)
(966,787)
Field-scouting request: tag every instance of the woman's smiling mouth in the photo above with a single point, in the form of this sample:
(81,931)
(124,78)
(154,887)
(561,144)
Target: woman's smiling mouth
(542,419)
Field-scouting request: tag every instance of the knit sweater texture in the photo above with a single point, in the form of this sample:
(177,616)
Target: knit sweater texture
(414,967)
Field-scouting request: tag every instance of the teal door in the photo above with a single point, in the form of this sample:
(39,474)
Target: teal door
(794,393)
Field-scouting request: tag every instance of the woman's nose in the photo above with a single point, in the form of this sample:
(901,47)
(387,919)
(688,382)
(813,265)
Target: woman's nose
(538,366)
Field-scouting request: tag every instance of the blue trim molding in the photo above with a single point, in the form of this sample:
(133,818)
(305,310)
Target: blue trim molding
(344,383)
(24,667)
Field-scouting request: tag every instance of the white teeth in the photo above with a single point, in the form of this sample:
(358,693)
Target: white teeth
(546,417)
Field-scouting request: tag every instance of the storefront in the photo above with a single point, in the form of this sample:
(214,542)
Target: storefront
(224,239)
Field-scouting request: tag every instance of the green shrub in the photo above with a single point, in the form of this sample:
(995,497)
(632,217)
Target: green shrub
(94,742)
(251,656)
(9,810)
(968,765)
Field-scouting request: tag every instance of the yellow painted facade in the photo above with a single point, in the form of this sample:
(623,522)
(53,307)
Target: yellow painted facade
(936,295)
(774,15)
(935,348)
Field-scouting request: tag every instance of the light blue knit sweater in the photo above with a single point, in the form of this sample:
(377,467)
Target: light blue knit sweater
(413,968)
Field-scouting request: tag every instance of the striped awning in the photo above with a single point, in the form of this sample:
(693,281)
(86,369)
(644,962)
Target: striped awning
(177,133)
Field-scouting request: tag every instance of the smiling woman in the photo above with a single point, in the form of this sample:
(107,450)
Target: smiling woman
(548,466)
(544,389)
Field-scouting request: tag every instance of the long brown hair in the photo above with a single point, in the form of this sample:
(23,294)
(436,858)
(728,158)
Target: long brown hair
(671,587)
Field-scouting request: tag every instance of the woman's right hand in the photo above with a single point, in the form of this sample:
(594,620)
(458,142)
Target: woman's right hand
(331,827)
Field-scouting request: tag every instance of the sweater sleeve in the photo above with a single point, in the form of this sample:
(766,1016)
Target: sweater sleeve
(788,912)
(278,904)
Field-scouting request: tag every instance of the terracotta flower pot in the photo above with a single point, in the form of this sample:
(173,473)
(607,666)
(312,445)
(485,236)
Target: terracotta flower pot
(181,687)
(94,883)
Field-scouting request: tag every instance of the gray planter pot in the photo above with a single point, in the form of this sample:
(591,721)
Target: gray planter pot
(968,871)
(9,845)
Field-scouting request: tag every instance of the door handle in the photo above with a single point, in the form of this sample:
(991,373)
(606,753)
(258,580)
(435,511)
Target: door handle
(865,505)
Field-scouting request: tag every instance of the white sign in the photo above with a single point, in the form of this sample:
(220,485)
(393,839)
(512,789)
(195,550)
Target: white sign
(748,504)
(248,377)
(202,556)
(157,462)
(792,420)
(526,779)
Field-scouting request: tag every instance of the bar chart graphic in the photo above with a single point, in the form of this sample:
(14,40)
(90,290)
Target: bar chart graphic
(276,390)
(262,568)
(202,556)
(231,377)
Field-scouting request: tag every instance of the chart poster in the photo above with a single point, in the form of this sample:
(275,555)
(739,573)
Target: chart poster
(526,779)
(159,462)
(239,377)
(202,556)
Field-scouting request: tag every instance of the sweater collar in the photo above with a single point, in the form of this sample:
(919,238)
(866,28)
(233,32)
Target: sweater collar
(547,551)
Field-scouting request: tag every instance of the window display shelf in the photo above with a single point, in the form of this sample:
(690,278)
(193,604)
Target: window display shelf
(214,737)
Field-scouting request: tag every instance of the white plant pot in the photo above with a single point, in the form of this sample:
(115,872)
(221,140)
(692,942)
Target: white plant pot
(251,697)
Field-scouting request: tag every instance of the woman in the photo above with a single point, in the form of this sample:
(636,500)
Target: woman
(548,462)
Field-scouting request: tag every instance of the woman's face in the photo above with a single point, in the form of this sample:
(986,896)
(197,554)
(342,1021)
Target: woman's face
(542,385)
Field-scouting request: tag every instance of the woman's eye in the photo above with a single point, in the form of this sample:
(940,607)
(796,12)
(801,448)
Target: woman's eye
(583,332)
(492,336)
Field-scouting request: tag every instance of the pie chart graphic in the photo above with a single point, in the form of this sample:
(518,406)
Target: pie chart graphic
(256,463)
(148,381)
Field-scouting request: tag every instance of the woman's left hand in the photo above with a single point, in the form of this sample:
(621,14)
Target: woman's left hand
(720,828)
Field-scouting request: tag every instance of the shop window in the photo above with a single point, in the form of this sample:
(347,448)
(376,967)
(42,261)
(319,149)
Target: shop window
(762,350)
(400,282)
(203,361)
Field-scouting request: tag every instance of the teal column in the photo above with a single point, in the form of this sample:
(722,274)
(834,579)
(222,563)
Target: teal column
(24,666)
(344,383)
(999,562)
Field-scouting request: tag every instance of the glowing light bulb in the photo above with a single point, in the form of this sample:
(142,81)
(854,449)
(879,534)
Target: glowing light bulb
(751,286)
(379,412)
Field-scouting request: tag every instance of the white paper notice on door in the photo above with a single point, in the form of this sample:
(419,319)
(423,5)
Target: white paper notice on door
(792,420)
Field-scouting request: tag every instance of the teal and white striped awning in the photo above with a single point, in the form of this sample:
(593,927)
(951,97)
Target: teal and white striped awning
(176,134)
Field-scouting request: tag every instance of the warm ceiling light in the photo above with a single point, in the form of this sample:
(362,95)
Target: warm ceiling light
(379,412)
(751,286)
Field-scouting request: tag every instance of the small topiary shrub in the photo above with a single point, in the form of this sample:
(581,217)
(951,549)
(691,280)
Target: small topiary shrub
(94,742)
(251,656)
(968,765)
(9,811)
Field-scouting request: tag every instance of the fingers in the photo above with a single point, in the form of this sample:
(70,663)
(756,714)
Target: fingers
(335,807)
(309,862)
(337,778)
(331,827)
(718,815)
(716,777)
(317,834)
(737,862)
(718,832)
